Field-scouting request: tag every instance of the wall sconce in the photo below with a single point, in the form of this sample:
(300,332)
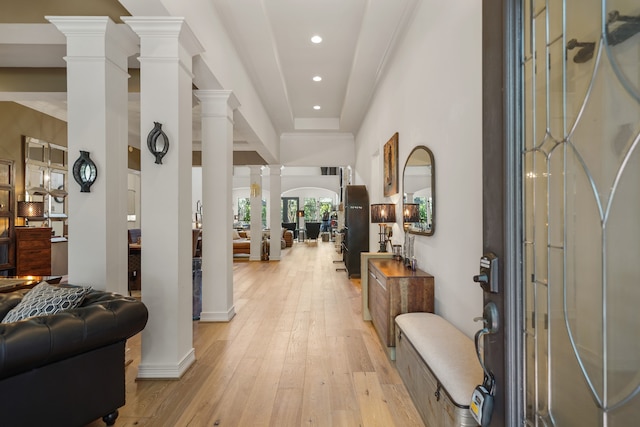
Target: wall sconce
(31,211)
(383,213)
(85,172)
(152,142)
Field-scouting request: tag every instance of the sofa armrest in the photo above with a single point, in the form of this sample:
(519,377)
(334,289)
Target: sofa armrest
(103,319)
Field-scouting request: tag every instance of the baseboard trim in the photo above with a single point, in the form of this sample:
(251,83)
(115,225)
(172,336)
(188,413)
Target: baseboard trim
(167,371)
(213,316)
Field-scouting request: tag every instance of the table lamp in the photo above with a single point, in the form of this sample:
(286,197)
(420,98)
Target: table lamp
(410,214)
(383,213)
(31,211)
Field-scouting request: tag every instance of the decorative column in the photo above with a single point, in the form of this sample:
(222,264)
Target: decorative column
(97,52)
(255,199)
(167,46)
(217,221)
(275,224)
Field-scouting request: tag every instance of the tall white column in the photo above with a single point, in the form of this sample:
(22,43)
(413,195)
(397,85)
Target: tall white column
(167,46)
(255,198)
(275,225)
(97,52)
(217,221)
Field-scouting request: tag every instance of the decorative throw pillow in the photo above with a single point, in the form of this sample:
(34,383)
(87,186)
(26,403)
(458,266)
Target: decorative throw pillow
(234,234)
(45,299)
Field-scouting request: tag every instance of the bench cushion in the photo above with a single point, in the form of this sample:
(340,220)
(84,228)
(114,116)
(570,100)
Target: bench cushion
(448,353)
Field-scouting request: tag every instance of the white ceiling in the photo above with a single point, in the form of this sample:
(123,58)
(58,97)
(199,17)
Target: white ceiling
(272,38)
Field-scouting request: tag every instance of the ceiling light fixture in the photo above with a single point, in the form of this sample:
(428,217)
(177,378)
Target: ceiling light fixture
(317,78)
(316,39)
(316,107)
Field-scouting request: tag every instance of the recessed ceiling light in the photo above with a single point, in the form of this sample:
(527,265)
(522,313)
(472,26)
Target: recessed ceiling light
(316,39)
(316,107)
(317,78)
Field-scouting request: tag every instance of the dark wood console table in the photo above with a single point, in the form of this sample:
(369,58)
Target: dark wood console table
(10,284)
(394,289)
(33,251)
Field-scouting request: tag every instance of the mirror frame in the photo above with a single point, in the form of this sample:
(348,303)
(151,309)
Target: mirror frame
(433,192)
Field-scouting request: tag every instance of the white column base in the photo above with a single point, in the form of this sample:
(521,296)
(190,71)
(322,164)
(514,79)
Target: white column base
(167,371)
(212,316)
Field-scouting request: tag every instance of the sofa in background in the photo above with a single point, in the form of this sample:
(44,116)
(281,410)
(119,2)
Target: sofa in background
(242,241)
(68,368)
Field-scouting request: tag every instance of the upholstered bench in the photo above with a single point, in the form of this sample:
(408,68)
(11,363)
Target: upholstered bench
(439,367)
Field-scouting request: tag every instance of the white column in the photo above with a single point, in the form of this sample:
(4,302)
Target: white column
(167,46)
(255,199)
(217,221)
(97,52)
(275,224)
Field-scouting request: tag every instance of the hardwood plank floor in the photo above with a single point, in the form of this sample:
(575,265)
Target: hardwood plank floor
(297,353)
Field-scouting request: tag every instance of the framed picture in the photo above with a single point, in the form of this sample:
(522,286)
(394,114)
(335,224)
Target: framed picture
(390,176)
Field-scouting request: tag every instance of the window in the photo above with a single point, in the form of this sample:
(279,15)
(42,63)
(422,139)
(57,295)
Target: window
(244,211)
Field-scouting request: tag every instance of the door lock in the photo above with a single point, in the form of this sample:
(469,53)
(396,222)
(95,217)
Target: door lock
(488,277)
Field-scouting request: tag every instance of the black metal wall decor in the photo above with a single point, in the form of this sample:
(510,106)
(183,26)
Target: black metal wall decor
(152,142)
(85,172)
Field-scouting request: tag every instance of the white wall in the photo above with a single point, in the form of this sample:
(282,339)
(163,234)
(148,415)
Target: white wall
(432,95)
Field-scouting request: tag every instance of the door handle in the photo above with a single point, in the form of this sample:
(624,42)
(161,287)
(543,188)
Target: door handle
(489,318)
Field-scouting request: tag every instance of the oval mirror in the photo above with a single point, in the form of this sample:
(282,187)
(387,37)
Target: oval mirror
(418,183)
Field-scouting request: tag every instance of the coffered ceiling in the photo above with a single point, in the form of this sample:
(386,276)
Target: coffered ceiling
(273,40)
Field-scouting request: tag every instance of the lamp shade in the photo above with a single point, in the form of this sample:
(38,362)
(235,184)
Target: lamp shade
(31,210)
(300,214)
(383,212)
(411,212)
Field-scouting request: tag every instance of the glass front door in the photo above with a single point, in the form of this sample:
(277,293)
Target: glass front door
(581,186)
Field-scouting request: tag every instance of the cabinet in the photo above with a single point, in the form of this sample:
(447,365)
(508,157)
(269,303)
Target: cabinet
(394,289)
(355,238)
(33,251)
(7,215)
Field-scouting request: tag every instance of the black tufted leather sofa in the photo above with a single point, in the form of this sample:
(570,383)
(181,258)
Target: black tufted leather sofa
(66,369)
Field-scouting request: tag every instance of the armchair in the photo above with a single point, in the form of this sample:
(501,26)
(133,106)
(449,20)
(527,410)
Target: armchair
(313,230)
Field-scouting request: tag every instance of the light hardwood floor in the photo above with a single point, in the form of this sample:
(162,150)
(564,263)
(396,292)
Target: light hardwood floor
(297,353)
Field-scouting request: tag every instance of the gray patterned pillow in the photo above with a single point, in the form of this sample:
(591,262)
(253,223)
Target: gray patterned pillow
(45,299)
